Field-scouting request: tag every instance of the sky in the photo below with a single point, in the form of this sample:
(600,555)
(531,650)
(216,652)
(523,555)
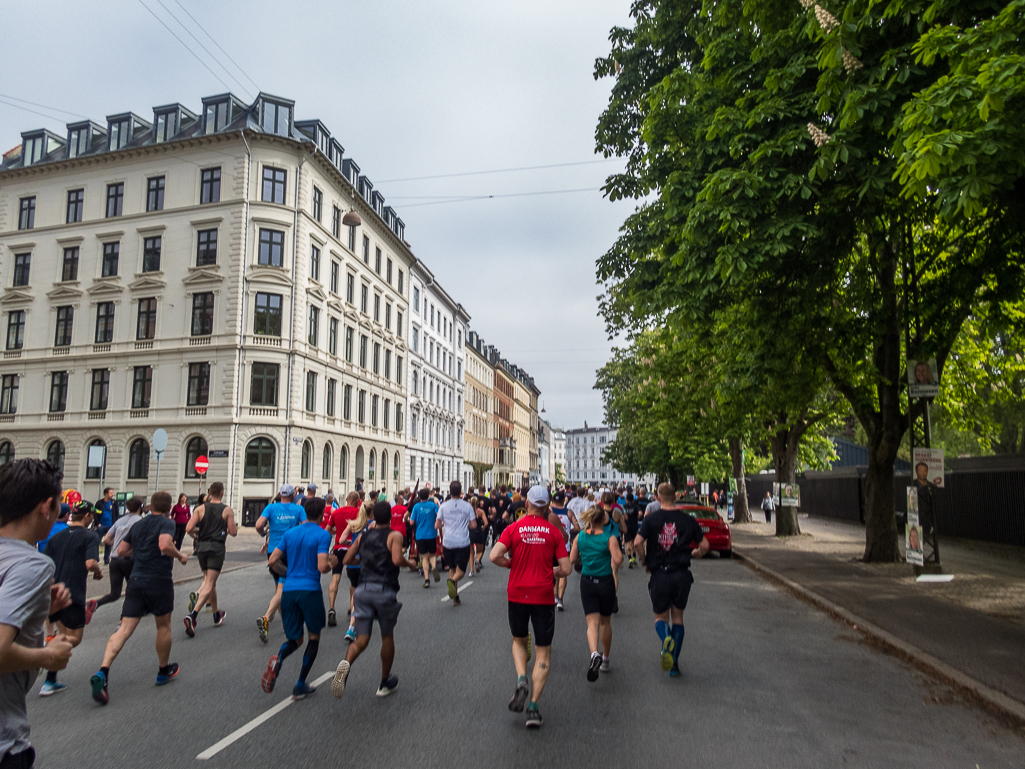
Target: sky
(411,89)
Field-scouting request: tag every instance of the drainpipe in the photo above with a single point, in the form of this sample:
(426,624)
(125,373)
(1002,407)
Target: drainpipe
(242,328)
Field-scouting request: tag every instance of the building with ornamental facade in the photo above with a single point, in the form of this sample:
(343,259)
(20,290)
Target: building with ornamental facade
(586,463)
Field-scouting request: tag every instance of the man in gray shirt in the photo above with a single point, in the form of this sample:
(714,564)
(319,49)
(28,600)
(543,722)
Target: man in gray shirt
(30,491)
(455,518)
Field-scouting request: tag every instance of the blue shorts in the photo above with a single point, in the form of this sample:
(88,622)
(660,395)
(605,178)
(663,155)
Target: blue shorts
(302,607)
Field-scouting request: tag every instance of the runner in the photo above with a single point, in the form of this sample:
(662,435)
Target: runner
(306,550)
(274,521)
(478,534)
(423,518)
(63,519)
(578,505)
(533,544)
(210,524)
(75,553)
(150,591)
(339,520)
(667,540)
(597,552)
(630,514)
(353,531)
(120,566)
(569,525)
(399,516)
(455,519)
(380,553)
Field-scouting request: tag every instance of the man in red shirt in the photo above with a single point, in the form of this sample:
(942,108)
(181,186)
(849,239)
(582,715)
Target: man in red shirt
(528,548)
(398,518)
(338,520)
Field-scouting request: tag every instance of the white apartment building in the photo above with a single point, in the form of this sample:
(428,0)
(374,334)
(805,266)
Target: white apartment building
(224,275)
(557,454)
(546,464)
(585,464)
(437,330)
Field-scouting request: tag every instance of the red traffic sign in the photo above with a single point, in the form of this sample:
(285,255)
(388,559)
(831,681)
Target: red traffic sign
(202,464)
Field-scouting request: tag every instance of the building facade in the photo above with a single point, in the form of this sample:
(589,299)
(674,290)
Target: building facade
(586,464)
(558,456)
(227,276)
(480,438)
(546,466)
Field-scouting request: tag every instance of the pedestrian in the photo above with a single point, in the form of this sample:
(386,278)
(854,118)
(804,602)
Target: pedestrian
(106,520)
(668,538)
(274,521)
(596,550)
(423,518)
(529,548)
(768,505)
(379,550)
(180,513)
(30,494)
(120,566)
(311,493)
(455,519)
(150,591)
(399,516)
(211,524)
(338,528)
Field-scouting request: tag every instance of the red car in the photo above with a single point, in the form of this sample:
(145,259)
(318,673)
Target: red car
(717,531)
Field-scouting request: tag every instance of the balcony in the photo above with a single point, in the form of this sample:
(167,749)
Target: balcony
(6,417)
(197,341)
(12,354)
(263,412)
(194,411)
(61,350)
(267,341)
(97,414)
(101,348)
(138,414)
(144,345)
(55,417)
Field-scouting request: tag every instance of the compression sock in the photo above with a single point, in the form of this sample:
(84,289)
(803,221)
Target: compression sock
(678,632)
(309,657)
(662,628)
(286,648)
(51,677)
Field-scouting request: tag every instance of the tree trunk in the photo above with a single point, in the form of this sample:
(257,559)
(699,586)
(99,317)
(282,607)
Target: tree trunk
(741,513)
(785,443)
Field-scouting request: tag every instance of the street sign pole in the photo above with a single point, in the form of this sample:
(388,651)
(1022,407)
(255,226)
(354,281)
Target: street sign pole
(159,447)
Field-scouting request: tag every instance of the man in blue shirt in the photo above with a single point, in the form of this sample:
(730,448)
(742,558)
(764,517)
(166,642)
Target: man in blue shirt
(58,527)
(306,550)
(423,517)
(106,519)
(276,519)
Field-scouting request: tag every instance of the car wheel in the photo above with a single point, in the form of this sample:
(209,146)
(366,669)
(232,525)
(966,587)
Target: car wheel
(725,553)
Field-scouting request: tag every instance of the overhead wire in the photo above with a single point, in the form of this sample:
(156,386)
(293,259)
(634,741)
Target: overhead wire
(498,171)
(34,112)
(218,46)
(469,198)
(195,55)
(44,106)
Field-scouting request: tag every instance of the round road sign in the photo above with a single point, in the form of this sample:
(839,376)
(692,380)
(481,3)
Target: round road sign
(202,464)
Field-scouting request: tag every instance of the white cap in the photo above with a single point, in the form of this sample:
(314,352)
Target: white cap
(287,490)
(311,487)
(538,496)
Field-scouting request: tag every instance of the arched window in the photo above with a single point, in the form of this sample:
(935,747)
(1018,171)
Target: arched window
(138,459)
(372,464)
(306,468)
(343,465)
(359,463)
(96,472)
(260,456)
(326,469)
(55,454)
(395,466)
(6,452)
(384,465)
(194,449)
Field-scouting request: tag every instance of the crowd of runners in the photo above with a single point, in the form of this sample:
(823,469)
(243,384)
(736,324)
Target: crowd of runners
(49,549)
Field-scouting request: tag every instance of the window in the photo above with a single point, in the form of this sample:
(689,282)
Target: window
(318,204)
(76,199)
(311,391)
(398,369)
(69,266)
(387,364)
(115,199)
(155,194)
(9,394)
(58,391)
(402,278)
(332,385)
(363,298)
(203,313)
(398,324)
(267,318)
(111,253)
(416,298)
(459,370)
(199,384)
(65,321)
(387,316)
(389,272)
(104,323)
(347,402)
(15,329)
(276,118)
(332,336)
(151,254)
(274,185)
(398,420)
(377,357)
(206,250)
(146,326)
(119,134)
(307,460)
(366,249)
(336,221)
(459,338)
(100,389)
(142,387)
(350,288)
(210,185)
(6,452)
(387,417)
(361,407)
(373,410)
(55,454)
(313,336)
(377,261)
(264,385)
(260,456)
(165,127)
(272,247)
(78,142)
(343,465)
(377,308)
(362,351)
(216,117)
(27,213)
(97,472)
(194,449)
(432,314)
(325,468)
(348,344)
(314,262)
(22,263)
(416,339)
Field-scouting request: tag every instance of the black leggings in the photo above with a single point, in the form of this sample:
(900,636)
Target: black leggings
(120,571)
(179,534)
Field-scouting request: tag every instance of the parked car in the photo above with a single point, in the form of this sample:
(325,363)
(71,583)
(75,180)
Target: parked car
(717,531)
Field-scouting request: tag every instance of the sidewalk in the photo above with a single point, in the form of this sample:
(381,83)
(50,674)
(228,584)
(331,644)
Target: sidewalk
(975,624)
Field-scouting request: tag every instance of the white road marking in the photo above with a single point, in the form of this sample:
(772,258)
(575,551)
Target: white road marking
(462,587)
(242,731)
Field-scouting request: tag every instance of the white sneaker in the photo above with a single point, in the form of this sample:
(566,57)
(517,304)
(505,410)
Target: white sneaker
(338,682)
(604,666)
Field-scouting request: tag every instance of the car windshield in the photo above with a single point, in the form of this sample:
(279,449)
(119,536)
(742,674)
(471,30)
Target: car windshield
(704,515)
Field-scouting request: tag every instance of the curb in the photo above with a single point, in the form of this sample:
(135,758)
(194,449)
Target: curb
(992,697)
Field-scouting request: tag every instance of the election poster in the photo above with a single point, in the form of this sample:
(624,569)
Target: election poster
(928,466)
(923,378)
(791,495)
(913,531)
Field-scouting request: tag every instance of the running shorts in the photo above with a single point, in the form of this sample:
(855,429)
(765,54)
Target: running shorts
(541,616)
(631,531)
(457,557)
(302,607)
(427,546)
(669,589)
(479,535)
(373,600)
(352,572)
(156,598)
(339,553)
(72,617)
(598,595)
(210,555)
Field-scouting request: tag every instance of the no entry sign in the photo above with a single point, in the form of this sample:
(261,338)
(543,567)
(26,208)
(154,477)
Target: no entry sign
(202,464)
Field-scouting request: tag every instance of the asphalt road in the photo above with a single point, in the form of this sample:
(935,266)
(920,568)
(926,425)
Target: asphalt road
(768,681)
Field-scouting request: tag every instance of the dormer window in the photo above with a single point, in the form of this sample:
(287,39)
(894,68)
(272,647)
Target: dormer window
(33,150)
(350,171)
(166,126)
(335,152)
(36,145)
(366,189)
(216,116)
(275,118)
(118,134)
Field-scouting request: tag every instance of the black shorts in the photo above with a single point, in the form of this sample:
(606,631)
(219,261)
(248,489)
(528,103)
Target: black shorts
(148,598)
(669,589)
(210,556)
(478,536)
(339,553)
(72,617)
(457,557)
(631,531)
(353,575)
(427,546)
(598,595)
(541,616)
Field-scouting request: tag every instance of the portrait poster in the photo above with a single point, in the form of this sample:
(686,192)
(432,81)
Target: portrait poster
(791,495)
(913,531)
(927,465)
(923,378)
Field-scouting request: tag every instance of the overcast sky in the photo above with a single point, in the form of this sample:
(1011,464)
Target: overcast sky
(410,89)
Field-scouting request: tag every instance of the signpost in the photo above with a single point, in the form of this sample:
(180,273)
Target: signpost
(159,446)
(202,465)
(97,459)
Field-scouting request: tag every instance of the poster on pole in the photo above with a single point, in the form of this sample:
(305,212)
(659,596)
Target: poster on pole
(704,488)
(733,485)
(913,531)
(923,378)
(928,466)
(791,495)
(775,493)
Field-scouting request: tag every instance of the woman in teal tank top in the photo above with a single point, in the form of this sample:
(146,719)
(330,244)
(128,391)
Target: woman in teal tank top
(597,554)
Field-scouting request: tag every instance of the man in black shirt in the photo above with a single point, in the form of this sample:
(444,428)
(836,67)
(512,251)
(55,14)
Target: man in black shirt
(667,540)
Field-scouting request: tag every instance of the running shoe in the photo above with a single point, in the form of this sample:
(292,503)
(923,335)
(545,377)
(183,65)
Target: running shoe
(261,625)
(592,669)
(332,620)
(674,672)
(270,676)
(457,601)
(667,652)
(558,604)
(436,574)
(172,671)
(99,686)
(219,618)
(453,591)
(90,607)
(338,682)
(193,600)
(387,686)
(605,667)
(427,583)
(519,698)
(630,564)
(51,687)
(534,719)
(190,626)
(302,690)
(350,634)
